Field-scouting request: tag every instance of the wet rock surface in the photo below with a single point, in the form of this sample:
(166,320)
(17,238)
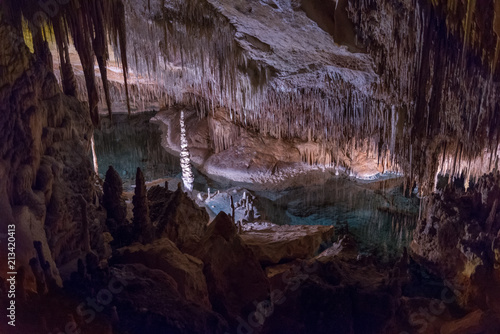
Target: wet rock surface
(278,244)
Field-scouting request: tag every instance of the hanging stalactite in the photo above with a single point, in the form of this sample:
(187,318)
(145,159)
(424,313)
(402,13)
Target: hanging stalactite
(91,24)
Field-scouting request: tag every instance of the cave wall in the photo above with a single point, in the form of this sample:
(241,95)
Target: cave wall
(45,166)
(458,239)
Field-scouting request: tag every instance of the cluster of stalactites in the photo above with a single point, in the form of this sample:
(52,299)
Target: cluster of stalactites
(439,67)
(194,56)
(437,94)
(92,25)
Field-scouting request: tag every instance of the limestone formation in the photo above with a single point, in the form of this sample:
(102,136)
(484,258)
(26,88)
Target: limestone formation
(265,92)
(85,226)
(278,244)
(234,276)
(143,229)
(186,270)
(456,239)
(114,203)
(154,304)
(182,221)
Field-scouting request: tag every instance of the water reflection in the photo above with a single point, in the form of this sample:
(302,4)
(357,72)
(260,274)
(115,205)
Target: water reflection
(127,143)
(377,213)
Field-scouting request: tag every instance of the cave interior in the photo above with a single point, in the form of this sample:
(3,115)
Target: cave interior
(250,166)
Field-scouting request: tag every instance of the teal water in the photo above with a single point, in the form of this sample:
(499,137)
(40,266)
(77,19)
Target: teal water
(377,213)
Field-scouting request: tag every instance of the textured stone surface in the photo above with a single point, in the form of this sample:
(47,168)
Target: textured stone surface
(182,220)
(152,304)
(286,243)
(475,322)
(457,239)
(186,270)
(234,276)
(44,146)
(143,229)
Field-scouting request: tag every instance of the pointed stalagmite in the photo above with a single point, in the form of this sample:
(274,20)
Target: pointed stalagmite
(142,224)
(113,201)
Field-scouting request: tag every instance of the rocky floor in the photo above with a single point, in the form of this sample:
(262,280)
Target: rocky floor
(196,276)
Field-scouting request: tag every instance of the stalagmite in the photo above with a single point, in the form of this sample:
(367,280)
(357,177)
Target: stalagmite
(113,201)
(143,228)
(232,210)
(45,265)
(187,174)
(208,194)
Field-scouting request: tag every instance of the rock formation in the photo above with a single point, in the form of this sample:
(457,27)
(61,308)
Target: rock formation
(114,203)
(182,221)
(168,313)
(457,238)
(263,90)
(234,277)
(44,167)
(186,270)
(286,243)
(143,229)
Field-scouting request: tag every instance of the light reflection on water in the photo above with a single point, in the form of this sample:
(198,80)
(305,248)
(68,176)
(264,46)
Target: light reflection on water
(376,213)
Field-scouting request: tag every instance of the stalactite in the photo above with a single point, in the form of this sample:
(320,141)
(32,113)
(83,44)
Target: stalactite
(455,95)
(66,69)
(119,32)
(99,43)
(89,23)
(425,97)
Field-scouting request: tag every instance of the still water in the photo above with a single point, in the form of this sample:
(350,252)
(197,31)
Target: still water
(376,212)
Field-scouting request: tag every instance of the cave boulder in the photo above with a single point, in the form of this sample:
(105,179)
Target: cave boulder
(234,276)
(278,244)
(162,254)
(182,220)
(151,303)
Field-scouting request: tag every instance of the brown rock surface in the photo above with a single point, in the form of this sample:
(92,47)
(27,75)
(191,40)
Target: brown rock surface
(473,323)
(151,303)
(285,243)
(456,239)
(143,229)
(182,221)
(234,277)
(44,165)
(186,270)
